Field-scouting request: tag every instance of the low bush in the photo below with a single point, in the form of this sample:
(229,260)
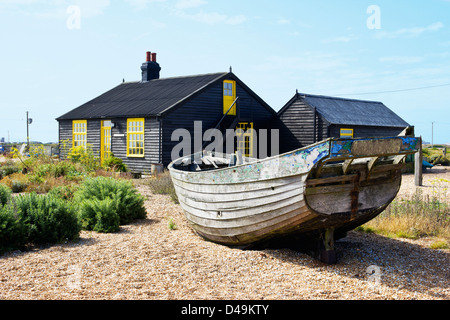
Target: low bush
(439,159)
(8,168)
(47,219)
(114,164)
(17,182)
(65,192)
(12,234)
(85,156)
(121,197)
(99,215)
(5,194)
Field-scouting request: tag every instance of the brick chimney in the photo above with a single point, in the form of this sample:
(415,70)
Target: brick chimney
(150,68)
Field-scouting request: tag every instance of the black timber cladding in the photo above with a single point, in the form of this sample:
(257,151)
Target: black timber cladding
(306,119)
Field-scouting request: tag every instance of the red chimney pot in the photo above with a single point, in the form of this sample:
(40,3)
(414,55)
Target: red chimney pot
(153,57)
(148,56)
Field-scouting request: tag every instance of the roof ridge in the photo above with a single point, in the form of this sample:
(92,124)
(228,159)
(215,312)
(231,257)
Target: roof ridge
(178,77)
(336,98)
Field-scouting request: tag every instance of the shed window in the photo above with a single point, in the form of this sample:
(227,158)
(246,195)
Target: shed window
(346,133)
(135,137)
(79,132)
(229,95)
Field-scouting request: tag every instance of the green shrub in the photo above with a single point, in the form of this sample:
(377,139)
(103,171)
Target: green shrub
(12,235)
(99,215)
(56,169)
(114,164)
(5,194)
(8,168)
(85,156)
(130,204)
(18,182)
(47,219)
(440,159)
(66,192)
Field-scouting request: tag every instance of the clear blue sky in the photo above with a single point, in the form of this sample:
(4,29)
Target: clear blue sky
(57,54)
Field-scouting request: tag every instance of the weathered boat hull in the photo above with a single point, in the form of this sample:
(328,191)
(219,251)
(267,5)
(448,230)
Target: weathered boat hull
(332,185)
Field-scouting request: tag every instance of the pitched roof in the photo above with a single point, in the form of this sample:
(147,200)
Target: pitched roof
(141,99)
(351,111)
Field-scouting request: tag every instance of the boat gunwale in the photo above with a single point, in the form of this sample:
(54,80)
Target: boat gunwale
(330,157)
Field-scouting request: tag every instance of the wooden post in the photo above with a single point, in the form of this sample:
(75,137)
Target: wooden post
(328,254)
(418,179)
(28,134)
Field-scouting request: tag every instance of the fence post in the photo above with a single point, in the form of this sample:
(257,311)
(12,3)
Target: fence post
(418,179)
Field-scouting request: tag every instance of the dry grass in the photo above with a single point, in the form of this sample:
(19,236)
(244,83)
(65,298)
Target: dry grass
(424,213)
(162,184)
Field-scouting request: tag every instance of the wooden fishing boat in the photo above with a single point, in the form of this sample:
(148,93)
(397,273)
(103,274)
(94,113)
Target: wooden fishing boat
(311,195)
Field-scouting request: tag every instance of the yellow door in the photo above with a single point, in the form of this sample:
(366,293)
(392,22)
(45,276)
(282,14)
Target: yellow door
(244,134)
(105,139)
(229,95)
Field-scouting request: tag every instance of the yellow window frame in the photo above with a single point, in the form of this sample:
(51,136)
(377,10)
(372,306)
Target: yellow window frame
(79,133)
(135,137)
(346,133)
(244,133)
(106,140)
(229,95)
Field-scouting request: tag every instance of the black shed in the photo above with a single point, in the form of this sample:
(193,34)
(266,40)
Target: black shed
(307,119)
(135,120)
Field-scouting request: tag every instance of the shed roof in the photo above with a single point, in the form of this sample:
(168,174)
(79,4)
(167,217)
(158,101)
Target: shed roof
(141,99)
(351,111)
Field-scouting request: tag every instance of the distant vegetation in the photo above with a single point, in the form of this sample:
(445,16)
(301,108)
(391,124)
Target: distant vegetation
(437,155)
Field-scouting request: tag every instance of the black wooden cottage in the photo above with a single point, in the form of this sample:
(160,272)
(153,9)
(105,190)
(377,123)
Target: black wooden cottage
(306,119)
(135,120)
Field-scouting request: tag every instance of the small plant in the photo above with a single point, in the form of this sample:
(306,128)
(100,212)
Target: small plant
(365,229)
(65,192)
(172,225)
(5,194)
(85,156)
(114,164)
(439,245)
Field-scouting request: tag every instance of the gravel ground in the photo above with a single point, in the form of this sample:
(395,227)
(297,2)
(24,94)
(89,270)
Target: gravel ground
(147,260)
